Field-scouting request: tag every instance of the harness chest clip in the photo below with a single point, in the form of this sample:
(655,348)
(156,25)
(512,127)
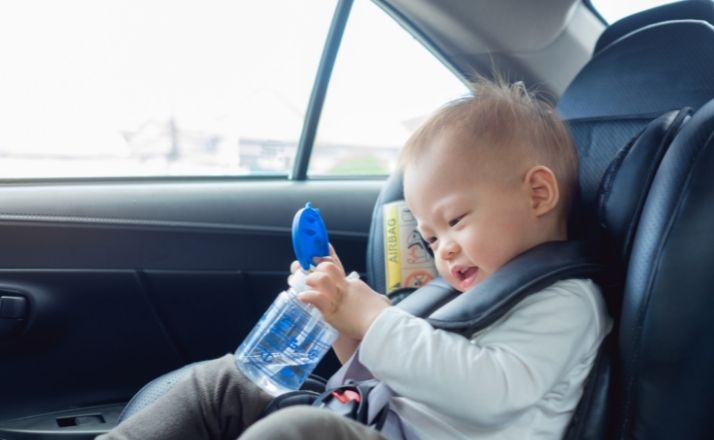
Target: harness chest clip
(346,401)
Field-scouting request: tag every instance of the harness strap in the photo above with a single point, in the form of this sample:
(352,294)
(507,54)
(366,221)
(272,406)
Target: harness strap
(475,309)
(373,407)
(378,401)
(351,370)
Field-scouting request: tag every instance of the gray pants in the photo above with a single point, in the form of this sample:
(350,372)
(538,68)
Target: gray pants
(218,402)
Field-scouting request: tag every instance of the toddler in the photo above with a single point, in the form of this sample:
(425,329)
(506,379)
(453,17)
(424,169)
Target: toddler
(487,178)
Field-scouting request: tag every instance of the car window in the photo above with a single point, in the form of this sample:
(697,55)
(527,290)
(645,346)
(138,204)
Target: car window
(613,10)
(383,85)
(156,87)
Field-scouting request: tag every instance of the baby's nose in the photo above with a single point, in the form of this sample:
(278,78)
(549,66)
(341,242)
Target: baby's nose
(448,249)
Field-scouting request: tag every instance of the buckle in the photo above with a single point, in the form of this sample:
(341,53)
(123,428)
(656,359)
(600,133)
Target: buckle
(352,400)
(345,401)
(347,395)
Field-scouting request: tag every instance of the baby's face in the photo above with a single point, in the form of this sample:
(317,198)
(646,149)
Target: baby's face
(473,220)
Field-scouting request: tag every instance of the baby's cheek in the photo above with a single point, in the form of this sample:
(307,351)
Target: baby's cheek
(439,266)
(443,269)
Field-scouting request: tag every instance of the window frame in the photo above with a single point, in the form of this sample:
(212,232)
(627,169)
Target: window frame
(589,4)
(324,74)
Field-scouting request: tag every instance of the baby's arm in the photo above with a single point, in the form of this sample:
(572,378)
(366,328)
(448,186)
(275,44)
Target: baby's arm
(344,347)
(508,369)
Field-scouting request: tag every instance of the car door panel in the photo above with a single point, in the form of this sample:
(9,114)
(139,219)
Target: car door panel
(87,332)
(128,280)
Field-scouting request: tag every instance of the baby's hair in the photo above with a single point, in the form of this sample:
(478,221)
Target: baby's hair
(507,120)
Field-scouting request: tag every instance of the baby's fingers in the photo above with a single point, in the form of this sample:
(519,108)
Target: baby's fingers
(331,258)
(324,279)
(332,270)
(324,303)
(334,256)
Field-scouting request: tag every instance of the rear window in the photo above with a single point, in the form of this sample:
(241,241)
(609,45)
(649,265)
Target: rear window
(156,87)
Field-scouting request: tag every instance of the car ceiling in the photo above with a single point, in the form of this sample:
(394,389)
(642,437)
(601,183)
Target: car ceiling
(544,43)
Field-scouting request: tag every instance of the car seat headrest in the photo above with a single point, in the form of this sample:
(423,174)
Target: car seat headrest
(691,10)
(624,87)
(652,70)
(626,182)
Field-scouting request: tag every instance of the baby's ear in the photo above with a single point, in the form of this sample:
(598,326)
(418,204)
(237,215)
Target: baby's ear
(542,187)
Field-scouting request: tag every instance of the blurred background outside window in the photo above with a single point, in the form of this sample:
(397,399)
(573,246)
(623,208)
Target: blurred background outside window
(211,88)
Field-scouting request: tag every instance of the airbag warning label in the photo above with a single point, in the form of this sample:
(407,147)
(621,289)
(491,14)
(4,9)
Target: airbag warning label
(407,261)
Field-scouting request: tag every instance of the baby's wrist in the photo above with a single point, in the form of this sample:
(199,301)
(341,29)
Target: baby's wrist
(371,315)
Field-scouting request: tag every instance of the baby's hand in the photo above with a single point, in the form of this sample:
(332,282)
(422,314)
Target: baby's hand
(349,305)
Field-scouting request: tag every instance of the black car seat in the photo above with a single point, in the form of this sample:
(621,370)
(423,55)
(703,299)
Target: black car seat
(620,92)
(601,129)
(654,68)
(664,387)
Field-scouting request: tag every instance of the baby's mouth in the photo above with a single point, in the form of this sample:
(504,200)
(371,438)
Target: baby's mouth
(465,275)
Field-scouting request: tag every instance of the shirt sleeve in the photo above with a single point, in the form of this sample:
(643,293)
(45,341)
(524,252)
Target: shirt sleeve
(504,369)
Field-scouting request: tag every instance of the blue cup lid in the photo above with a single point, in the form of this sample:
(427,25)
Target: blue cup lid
(309,236)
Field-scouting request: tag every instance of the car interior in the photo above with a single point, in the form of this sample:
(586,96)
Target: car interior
(112,290)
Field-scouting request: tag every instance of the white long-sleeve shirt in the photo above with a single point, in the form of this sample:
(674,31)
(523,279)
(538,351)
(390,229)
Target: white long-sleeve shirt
(520,378)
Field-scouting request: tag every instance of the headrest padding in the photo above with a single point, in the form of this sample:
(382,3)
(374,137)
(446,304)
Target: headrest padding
(653,70)
(628,178)
(691,10)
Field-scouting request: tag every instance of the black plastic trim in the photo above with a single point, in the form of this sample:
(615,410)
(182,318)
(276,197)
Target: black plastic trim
(589,4)
(141,179)
(60,424)
(317,97)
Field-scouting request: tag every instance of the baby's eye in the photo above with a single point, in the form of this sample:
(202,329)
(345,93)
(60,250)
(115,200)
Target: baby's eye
(429,240)
(455,221)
